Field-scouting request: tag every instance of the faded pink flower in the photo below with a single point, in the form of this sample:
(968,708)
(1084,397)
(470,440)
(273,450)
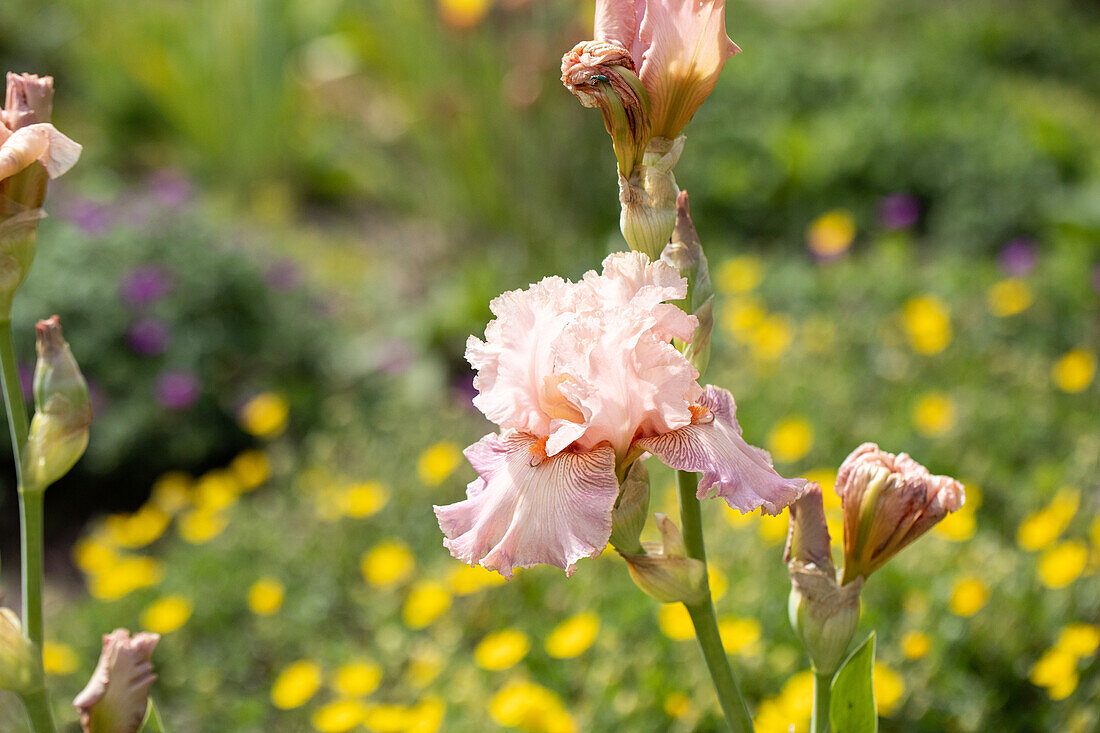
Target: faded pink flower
(888,502)
(25,132)
(679,48)
(115,699)
(582,379)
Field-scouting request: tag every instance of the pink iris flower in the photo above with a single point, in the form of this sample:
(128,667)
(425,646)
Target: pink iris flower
(582,379)
(679,48)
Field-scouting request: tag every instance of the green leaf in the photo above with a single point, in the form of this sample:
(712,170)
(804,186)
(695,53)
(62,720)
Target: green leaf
(852,709)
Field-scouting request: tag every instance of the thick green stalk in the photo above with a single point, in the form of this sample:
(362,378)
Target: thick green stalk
(38,711)
(702,614)
(819,722)
(13,397)
(31,511)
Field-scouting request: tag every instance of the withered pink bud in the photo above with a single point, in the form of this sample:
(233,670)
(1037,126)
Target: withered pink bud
(29,100)
(888,501)
(116,697)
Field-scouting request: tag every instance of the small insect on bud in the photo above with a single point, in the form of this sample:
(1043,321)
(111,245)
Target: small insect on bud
(63,411)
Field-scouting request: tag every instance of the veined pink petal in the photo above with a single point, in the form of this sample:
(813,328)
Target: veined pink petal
(617,21)
(41,142)
(526,508)
(738,472)
(680,49)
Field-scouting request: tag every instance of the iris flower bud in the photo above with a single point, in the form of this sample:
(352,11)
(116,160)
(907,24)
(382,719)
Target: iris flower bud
(20,669)
(63,411)
(665,572)
(685,253)
(116,697)
(823,613)
(628,516)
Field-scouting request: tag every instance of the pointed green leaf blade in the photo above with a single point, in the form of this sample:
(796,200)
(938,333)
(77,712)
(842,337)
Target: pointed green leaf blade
(852,709)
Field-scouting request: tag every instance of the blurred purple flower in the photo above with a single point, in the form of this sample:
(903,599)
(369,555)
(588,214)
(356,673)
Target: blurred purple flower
(1019,256)
(284,275)
(899,211)
(170,187)
(144,285)
(98,397)
(463,391)
(177,390)
(149,336)
(91,217)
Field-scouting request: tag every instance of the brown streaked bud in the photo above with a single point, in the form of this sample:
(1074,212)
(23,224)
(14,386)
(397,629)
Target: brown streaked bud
(115,699)
(889,501)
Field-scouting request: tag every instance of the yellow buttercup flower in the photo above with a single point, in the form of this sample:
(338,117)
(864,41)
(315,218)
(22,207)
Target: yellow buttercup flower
(251,469)
(832,233)
(199,526)
(216,490)
(296,684)
(427,601)
(265,597)
(677,705)
(501,649)
(424,666)
(1056,670)
(265,415)
(791,439)
(674,622)
(927,324)
(968,597)
(772,337)
(172,492)
(739,275)
(1063,563)
(388,718)
(387,564)
(167,614)
(1039,530)
(915,644)
(773,529)
(574,636)
(466,579)
(742,316)
(124,577)
(363,500)
(93,555)
(960,525)
(1074,371)
(463,13)
(530,707)
(889,689)
(739,635)
(1080,640)
(136,530)
(438,462)
(1010,297)
(357,678)
(58,659)
(934,414)
(339,716)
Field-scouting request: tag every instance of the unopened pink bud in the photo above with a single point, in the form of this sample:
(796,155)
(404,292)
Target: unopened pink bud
(115,699)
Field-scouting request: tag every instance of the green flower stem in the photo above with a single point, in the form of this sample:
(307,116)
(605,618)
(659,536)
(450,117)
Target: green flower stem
(13,397)
(702,614)
(819,722)
(38,711)
(31,510)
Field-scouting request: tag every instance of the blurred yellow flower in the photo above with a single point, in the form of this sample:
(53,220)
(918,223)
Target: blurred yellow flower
(250,469)
(530,707)
(124,577)
(339,716)
(889,689)
(357,678)
(265,597)
(572,637)
(387,564)
(832,233)
(1063,563)
(739,275)
(93,555)
(136,530)
(772,337)
(172,492)
(1056,670)
(772,718)
(215,490)
(359,501)
(501,649)
(265,415)
(677,705)
(1080,640)
(739,635)
(934,414)
(424,666)
(1074,371)
(199,526)
(959,526)
(427,715)
(968,596)
(719,584)
(742,316)
(796,697)
(463,13)
(466,579)
(773,529)
(427,601)
(791,439)
(58,659)
(927,324)
(915,644)
(1009,297)
(1094,532)
(388,718)
(296,684)
(438,462)
(735,518)
(167,614)
(826,478)
(1039,530)
(674,622)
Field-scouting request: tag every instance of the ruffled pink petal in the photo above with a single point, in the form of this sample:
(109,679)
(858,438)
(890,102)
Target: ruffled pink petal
(681,48)
(738,472)
(617,21)
(526,508)
(41,142)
